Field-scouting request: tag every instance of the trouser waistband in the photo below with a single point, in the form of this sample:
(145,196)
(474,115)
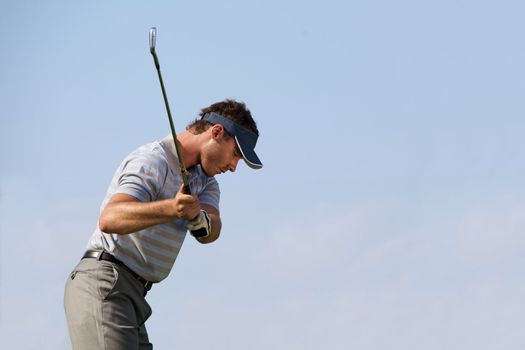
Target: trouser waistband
(103,255)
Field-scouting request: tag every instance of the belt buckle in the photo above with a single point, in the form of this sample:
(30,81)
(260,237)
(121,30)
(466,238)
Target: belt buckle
(100,253)
(148,285)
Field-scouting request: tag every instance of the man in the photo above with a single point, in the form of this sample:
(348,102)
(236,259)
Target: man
(143,222)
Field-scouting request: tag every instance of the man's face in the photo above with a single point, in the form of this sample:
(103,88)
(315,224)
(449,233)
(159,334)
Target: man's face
(221,153)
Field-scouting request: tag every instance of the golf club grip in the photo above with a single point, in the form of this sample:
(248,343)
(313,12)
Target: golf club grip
(187,189)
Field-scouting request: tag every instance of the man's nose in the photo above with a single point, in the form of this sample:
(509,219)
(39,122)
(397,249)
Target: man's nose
(233,165)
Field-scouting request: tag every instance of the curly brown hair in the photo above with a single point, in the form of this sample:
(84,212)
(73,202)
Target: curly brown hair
(231,109)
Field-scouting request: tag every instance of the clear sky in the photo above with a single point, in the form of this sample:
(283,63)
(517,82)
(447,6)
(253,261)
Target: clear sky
(389,213)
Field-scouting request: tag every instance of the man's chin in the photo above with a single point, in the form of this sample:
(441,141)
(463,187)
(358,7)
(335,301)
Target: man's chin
(206,171)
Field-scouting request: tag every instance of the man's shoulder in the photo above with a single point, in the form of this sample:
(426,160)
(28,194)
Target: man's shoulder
(151,154)
(149,150)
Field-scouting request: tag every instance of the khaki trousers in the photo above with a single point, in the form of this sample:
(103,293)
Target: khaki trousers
(105,308)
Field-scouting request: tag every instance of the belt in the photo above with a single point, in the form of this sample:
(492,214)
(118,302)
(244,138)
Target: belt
(102,255)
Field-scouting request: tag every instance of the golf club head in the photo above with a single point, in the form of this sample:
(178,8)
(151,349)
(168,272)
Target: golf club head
(152,38)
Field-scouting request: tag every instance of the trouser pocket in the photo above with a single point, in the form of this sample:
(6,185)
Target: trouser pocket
(107,277)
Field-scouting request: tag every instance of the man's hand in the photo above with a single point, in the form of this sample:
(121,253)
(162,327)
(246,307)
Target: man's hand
(186,206)
(200,227)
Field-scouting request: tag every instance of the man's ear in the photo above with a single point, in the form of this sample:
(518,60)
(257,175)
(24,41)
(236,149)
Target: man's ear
(217,131)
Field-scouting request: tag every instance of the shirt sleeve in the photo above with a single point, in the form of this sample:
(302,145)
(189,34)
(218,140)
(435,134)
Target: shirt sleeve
(142,177)
(211,193)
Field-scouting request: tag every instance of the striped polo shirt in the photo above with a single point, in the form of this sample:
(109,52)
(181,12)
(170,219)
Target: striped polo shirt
(151,173)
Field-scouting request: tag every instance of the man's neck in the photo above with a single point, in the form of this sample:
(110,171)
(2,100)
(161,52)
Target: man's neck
(189,147)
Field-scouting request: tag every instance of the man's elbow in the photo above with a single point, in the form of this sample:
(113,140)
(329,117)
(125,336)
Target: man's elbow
(106,223)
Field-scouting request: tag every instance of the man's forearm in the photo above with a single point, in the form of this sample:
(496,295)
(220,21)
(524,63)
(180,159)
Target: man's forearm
(216,225)
(123,217)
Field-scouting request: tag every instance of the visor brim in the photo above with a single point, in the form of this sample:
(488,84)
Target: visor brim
(248,154)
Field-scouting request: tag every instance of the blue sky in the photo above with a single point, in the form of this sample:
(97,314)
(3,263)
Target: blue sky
(389,213)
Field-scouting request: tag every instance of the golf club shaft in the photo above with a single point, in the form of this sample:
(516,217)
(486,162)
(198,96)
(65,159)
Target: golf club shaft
(183,171)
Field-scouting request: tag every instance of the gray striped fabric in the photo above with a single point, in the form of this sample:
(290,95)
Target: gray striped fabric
(151,173)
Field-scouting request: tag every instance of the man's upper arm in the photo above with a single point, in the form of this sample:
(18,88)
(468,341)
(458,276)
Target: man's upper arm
(122,197)
(211,194)
(142,176)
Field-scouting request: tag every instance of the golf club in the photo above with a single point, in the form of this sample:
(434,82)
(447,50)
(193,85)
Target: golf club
(184,173)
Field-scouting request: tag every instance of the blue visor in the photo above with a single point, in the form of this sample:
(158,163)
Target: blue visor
(245,138)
